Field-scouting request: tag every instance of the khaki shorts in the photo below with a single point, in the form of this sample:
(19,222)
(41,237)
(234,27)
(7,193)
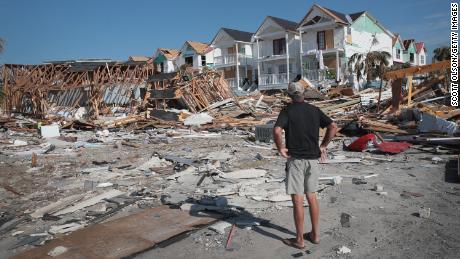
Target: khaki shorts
(301,176)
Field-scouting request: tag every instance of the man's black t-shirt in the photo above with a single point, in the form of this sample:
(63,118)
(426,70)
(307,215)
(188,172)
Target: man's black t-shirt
(301,122)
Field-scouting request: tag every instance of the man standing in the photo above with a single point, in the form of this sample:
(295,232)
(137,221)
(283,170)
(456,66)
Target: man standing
(301,122)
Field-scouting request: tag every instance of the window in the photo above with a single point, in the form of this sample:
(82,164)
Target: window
(411,57)
(321,39)
(422,59)
(162,67)
(282,69)
(398,54)
(279,46)
(269,70)
(203,60)
(349,38)
(189,60)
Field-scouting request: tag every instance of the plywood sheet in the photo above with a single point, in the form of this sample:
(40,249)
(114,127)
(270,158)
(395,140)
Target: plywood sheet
(124,236)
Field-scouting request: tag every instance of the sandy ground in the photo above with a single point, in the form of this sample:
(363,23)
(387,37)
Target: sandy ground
(382,226)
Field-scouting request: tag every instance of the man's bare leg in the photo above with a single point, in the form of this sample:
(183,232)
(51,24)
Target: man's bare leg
(314,215)
(297,200)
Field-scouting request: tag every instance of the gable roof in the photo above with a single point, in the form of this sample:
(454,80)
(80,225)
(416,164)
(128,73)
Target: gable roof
(419,46)
(169,53)
(238,35)
(408,42)
(355,16)
(285,24)
(198,47)
(338,15)
(396,37)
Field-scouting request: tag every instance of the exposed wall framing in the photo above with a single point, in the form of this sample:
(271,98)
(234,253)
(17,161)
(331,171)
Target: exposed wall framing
(27,87)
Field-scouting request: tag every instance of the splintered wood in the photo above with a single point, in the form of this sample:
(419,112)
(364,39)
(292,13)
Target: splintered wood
(203,90)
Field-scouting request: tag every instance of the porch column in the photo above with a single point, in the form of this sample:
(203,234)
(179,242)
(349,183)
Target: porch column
(337,62)
(237,68)
(301,53)
(287,56)
(258,61)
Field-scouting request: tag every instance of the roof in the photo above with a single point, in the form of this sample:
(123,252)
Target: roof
(138,58)
(199,47)
(419,46)
(285,24)
(169,53)
(337,16)
(355,16)
(239,35)
(408,42)
(341,16)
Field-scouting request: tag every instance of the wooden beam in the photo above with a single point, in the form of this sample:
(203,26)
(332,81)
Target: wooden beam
(409,86)
(443,65)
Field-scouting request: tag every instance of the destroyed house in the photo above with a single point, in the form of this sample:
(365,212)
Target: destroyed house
(165,60)
(196,54)
(277,53)
(329,38)
(233,55)
(62,87)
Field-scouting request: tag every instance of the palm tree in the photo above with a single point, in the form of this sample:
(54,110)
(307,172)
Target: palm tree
(373,64)
(442,53)
(356,65)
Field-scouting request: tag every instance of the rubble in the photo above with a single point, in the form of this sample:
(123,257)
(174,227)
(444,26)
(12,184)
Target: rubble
(193,145)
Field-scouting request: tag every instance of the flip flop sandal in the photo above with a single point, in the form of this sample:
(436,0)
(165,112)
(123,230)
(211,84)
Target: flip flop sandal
(307,236)
(292,243)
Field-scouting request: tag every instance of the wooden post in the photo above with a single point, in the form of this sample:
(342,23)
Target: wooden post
(409,86)
(396,94)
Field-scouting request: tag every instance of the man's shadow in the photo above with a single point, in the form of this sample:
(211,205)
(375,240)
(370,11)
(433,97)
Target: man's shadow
(241,218)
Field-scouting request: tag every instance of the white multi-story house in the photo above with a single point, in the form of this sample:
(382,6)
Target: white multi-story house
(329,38)
(277,53)
(234,57)
(196,54)
(165,60)
(420,52)
(398,49)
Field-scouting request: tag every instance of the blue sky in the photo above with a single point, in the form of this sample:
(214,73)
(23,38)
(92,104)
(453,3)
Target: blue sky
(37,31)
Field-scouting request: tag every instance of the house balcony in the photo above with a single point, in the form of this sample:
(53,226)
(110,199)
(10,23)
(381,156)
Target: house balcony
(230,60)
(275,81)
(307,50)
(233,82)
(327,74)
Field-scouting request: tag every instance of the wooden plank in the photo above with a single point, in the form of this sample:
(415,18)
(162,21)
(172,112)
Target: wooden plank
(443,65)
(124,236)
(409,86)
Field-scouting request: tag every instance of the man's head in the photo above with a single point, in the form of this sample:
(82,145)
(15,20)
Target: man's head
(295,90)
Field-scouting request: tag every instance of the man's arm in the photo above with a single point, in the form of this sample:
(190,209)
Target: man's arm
(278,136)
(331,130)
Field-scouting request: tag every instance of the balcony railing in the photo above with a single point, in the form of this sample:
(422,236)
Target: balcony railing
(231,59)
(323,74)
(232,82)
(275,79)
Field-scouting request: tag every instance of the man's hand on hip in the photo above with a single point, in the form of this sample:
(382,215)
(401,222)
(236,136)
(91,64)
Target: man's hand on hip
(323,154)
(284,152)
